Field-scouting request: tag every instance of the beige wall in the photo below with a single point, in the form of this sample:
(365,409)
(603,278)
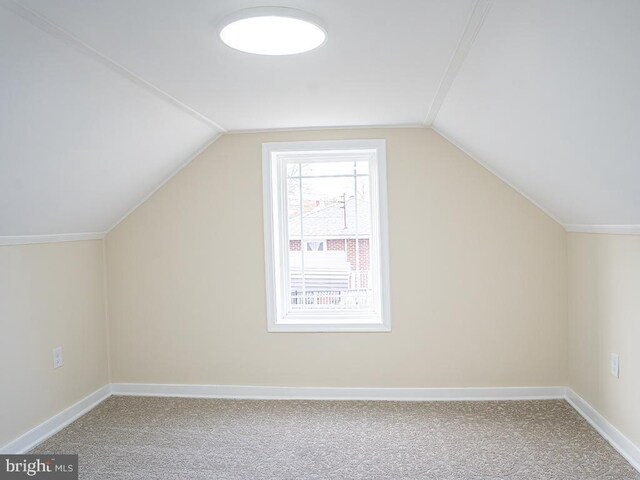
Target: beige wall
(50,295)
(478,279)
(604,318)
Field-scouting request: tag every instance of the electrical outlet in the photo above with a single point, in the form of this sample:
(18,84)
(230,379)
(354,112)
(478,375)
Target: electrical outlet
(615,365)
(57,357)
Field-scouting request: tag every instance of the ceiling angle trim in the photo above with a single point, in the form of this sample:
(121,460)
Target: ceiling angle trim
(43,23)
(468,37)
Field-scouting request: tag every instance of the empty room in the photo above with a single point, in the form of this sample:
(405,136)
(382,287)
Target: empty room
(324,240)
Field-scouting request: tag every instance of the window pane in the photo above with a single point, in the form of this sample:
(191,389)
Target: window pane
(314,169)
(333,222)
(327,267)
(293,205)
(362,167)
(293,169)
(362,246)
(324,214)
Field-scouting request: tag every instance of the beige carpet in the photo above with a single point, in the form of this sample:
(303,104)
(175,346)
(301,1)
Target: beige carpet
(193,439)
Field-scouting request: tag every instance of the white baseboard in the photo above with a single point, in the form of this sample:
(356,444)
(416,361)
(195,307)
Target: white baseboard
(33,437)
(611,434)
(43,431)
(39,434)
(337,393)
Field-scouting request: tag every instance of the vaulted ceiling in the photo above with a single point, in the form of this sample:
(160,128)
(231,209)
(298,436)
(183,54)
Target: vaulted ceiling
(102,100)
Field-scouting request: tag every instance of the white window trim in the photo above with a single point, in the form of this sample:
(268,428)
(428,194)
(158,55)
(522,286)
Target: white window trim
(324,322)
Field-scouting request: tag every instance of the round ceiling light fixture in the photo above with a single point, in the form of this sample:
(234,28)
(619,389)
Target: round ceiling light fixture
(272,31)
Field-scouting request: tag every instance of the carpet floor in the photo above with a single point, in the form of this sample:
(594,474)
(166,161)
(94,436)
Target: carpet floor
(194,439)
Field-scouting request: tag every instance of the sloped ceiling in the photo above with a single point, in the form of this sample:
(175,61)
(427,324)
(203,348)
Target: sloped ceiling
(373,69)
(549,98)
(103,100)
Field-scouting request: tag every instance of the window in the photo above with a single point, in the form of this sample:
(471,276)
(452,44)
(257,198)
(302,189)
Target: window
(326,247)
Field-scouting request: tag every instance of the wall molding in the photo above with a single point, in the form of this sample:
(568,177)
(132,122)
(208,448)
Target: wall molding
(39,434)
(54,238)
(611,434)
(337,393)
(607,229)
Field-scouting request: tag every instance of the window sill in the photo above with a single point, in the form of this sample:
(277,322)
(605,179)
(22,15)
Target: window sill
(329,327)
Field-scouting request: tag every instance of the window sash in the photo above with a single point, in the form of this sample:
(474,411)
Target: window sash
(276,157)
(354,157)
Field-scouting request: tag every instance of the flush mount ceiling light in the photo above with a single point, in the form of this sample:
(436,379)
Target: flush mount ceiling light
(272,31)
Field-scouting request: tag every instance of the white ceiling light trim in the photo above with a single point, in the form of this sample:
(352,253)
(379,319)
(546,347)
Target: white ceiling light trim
(272,31)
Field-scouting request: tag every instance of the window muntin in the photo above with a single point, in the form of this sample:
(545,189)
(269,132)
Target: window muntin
(325,236)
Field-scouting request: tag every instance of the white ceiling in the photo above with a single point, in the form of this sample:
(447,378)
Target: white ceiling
(80,144)
(549,99)
(374,69)
(102,100)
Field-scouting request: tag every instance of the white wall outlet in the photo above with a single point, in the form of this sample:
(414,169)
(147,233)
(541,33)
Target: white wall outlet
(57,357)
(615,365)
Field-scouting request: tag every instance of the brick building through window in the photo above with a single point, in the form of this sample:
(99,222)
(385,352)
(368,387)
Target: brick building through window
(340,226)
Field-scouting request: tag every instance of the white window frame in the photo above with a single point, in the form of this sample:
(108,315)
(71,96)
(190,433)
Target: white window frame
(276,242)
